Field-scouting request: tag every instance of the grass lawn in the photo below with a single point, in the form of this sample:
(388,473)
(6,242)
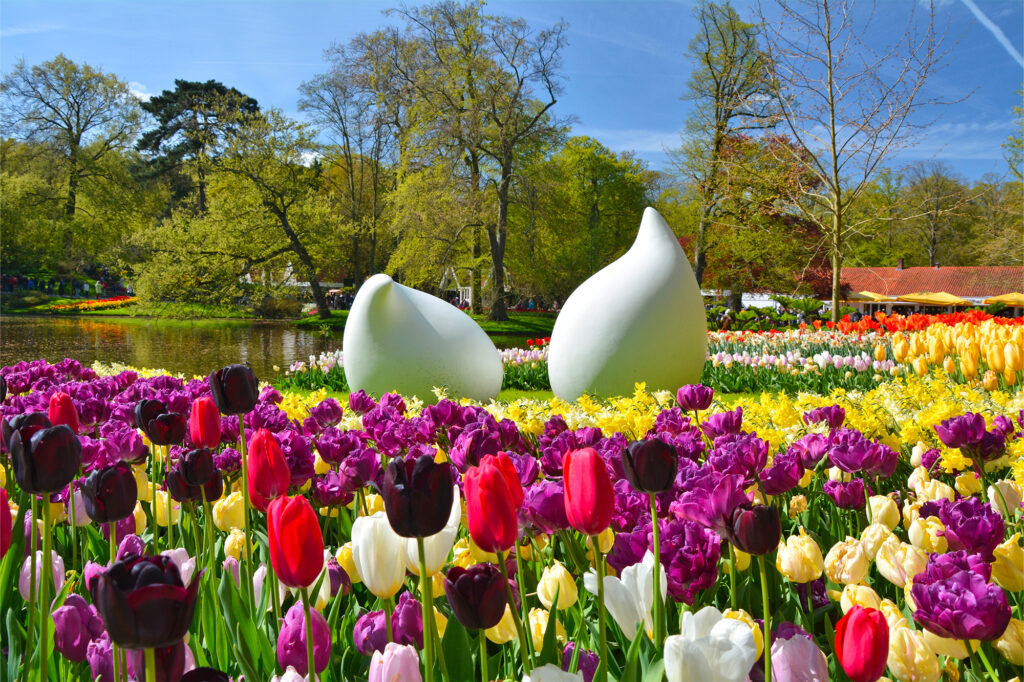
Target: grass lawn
(535,324)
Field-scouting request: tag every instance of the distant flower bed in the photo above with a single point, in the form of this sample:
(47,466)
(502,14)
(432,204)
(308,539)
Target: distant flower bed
(93,304)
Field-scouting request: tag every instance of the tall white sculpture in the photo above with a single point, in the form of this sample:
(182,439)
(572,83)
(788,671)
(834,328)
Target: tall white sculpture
(641,318)
(401,339)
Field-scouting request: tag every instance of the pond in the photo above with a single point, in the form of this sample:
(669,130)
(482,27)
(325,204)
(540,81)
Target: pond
(189,347)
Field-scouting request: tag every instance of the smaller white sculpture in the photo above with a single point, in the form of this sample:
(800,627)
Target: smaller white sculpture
(400,339)
(641,318)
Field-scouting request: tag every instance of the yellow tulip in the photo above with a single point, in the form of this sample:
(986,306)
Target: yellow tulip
(898,561)
(872,537)
(1011,643)
(505,631)
(969,366)
(880,353)
(936,350)
(748,620)
(990,381)
(949,365)
(539,625)
(797,506)
(911,658)
(1010,377)
(161,509)
(1008,568)
(968,484)
(927,533)
(945,646)
(806,479)
(140,519)
(605,541)
(935,490)
(145,490)
(996,360)
(556,580)
(235,544)
(439,618)
(847,563)
(920,365)
(893,615)
(1012,358)
(344,557)
(742,560)
(320,467)
(228,512)
(883,510)
(799,558)
(859,595)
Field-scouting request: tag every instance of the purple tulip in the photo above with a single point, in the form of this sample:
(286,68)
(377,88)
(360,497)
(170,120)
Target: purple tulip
(962,431)
(972,525)
(327,413)
(340,582)
(407,621)
(689,555)
(130,544)
(694,397)
(798,659)
(942,566)
(833,415)
(783,474)
(711,500)
(291,640)
(853,453)
(739,453)
(961,606)
(586,662)
(810,449)
(328,492)
(848,495)
(272,395)
(544,507)
(370,633)
(75,625)
(722,423)
(228,460)
(360,403)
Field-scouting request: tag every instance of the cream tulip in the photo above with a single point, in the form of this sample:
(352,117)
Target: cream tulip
(872,537)
(557,583)
(378,554)
(799,558)
(883,510)
(859,595)
(898,561)
(911,659)
(846,562)
(928,533)
(1005,496)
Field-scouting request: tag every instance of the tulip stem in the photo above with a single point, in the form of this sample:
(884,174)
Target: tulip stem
(246,566)
(152,505)
(33,570)
(74,526)
(984,659)
(311,662)
(388,607)
(659,631)
(521,578)
(483,657)
(601,624)
(732,577)
(427,602)
(524,649)
(44,589)
(112,537)
(767,621)
(150,665)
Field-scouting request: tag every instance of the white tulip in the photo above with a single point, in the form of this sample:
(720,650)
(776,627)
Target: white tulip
(630,599)
(552,673)
(437,546)
(56,565)
(378,554)
(1005,496)
(185,564)
(259,579)
(710,648)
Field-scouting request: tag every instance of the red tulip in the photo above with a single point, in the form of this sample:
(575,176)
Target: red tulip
(589,498)
(62,411)
(5,523)
(204,423)
(862,643)
(493,497)
(296,542)
(269,476)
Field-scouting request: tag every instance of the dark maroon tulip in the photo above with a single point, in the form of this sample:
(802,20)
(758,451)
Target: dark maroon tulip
(181,490)
(650,465)
(477,595)
(418,496)
(110,493)
(168,429)
(197,466)
(48,461)
(3,388)
(33,421)
(146,411)
(169,660)
(235,389)
(756,530)
(143,602)
(206,675)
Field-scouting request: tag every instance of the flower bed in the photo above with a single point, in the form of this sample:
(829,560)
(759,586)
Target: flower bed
(857,533)
(93,304)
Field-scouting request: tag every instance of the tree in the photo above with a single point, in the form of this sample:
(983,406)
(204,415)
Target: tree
(81,112)
(191,120)
(845,103)
(730,94)
(1014,144)
(937,202)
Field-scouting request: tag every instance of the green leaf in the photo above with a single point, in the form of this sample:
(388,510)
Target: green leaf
(457,654)
(656,672)
(15,637)
(631,671)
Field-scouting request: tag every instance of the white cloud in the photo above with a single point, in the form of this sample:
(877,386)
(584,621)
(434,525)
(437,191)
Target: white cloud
(29,30)
(139,90)
(996,32)
(639,140)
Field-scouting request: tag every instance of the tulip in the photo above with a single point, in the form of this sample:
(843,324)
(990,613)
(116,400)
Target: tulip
(269,475)
(204,423)
(650,465)
(589,497)
(477,595)
(694,397)
(25,585)
(160,426)
(756,530)
(227,512)
(110,493)
(290,675)
(630,597)
(911,657)
(505,631)
(378,555)
(197,467)
(538,624)
(797,506)
(143,602)
(555,580)
(417,496)
(291,641)
(928,534)
(847,563)
(493,497)
(798,659)
(75,625)
(234,389)
(872,538)
(1008,568)
(164,508)
(882,509)
(327,413)
(437,546)
(862,644)
(898,562)
(550,672)
(205,674)
(1011,643)
(1006,497)
(62,411)
(47,461)
(960,604)
(168,662)
(710,648)
(398,663)
(800,559)
(296,541)
(27,423)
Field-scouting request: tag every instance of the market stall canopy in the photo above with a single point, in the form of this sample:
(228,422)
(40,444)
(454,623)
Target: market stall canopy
(1015,299)
(868,296)
(940,298)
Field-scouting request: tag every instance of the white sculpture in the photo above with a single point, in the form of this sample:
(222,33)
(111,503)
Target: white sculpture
(401,339)
(641,318)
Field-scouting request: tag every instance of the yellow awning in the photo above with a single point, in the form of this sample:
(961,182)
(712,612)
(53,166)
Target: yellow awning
(1015,299)
(867,296)
(939,298)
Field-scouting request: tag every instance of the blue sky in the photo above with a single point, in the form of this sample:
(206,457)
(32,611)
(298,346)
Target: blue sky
(625,65)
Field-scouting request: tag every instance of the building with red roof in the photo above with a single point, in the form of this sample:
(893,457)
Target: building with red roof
(973,284)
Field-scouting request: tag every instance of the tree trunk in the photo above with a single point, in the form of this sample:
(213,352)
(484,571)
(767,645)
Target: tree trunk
(837,263)
(497,236)
(307,261)
(73,181)
(700,258)
(735,300)
(475,279)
